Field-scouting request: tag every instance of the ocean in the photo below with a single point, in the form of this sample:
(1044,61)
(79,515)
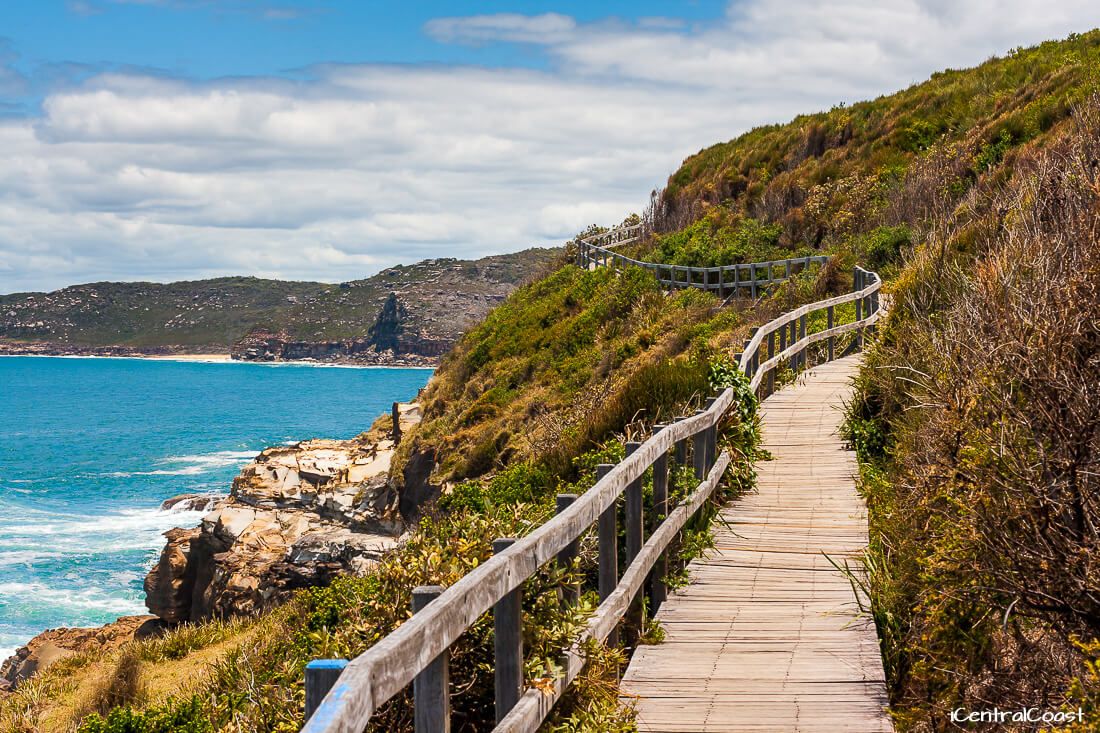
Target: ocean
(90,447)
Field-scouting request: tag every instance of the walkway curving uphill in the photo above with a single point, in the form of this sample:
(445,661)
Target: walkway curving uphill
(767,636)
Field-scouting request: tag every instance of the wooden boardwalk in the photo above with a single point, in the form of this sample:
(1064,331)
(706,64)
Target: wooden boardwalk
(767,636)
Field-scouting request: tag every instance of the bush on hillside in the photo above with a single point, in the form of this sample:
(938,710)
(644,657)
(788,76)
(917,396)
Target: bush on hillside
(979,415)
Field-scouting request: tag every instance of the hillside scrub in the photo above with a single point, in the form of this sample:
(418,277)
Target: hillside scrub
(822,178)
(566,362)
(978,419)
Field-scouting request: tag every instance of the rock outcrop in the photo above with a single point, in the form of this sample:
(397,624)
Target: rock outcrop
(297,516)
(56,644)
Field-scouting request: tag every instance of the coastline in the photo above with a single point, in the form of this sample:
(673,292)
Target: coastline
(226,359)
(266,533)
(209,358)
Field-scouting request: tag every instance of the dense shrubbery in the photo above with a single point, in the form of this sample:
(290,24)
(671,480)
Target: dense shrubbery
(978,420)
(718,239)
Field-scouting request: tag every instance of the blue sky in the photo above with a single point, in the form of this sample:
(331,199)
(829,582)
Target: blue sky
(205,39)
(177,139)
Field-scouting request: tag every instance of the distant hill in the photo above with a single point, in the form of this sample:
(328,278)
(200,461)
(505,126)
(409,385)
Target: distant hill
(427,307)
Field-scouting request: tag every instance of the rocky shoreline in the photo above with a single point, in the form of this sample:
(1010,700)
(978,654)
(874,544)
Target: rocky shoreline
(296,516)
(321,353)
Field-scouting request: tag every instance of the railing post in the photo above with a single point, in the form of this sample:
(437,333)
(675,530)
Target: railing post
(431,688)
(571,591)
(792,337)
(633,511)
(783,338)
(608,531)
(801,335)
(721,283)
(633,525)
(657,590)
(396,432)
(321,675)
(699,452)
(712,438)
(752,271)
(857,281)
(771,354)
(508,643)
(754,361)
(829,324)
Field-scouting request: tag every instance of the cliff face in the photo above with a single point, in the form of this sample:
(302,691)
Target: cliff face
(393,339)
(297,516)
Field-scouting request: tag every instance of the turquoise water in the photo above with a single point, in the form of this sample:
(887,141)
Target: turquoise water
(89,448)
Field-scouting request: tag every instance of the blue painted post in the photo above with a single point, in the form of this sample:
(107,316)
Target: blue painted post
(321,675)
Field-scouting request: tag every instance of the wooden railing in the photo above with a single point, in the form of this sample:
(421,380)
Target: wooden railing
(763,355)
(341,697)
(751,277)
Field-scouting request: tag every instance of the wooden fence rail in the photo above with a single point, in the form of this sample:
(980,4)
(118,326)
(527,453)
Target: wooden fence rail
(751,277)
(417,651)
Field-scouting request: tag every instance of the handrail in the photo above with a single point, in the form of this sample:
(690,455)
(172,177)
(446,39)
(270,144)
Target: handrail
(866,298)
(414,650)
(722,279)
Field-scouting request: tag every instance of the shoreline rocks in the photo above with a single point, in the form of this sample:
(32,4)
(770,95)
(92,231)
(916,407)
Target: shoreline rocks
(190,503)
(297,516)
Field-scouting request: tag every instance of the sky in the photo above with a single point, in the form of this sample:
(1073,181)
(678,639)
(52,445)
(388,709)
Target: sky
(180,139)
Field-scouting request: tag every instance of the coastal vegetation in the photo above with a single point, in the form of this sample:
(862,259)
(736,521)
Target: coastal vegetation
(974,193)
(976,420)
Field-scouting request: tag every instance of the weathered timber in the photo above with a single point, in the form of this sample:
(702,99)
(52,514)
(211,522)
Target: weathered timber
(768,635)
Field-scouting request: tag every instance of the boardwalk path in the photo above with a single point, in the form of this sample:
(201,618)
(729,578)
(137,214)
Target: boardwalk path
(766,637)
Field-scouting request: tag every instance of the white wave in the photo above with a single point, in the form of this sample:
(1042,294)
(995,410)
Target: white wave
(129,529)
(217,458)
(188,471)
(26,557)
(193,465)
(88,599)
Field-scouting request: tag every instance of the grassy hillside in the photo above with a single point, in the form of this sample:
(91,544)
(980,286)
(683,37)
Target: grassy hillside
(921,185)
(441,298)
(843,177)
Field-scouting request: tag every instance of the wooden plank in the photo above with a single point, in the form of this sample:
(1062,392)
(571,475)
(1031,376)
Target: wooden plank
(768,636)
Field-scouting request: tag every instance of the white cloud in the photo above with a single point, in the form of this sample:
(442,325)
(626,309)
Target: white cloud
(544,29)
(128,176)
